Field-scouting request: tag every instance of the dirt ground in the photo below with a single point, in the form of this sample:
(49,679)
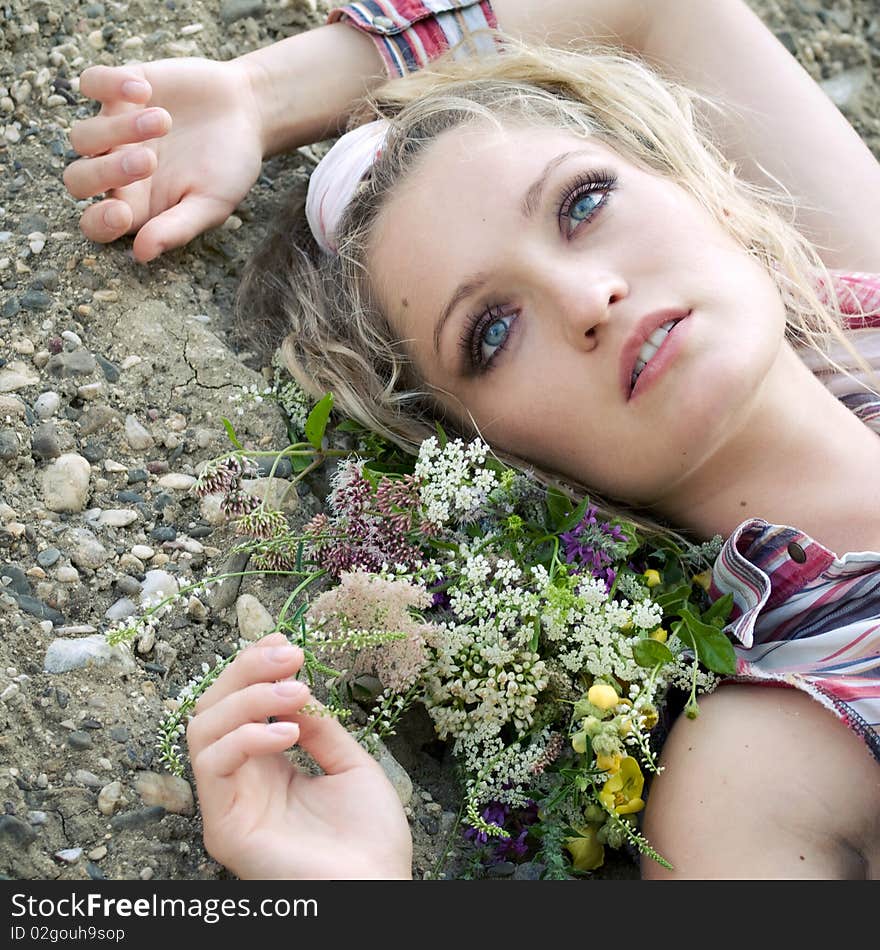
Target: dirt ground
(130,369)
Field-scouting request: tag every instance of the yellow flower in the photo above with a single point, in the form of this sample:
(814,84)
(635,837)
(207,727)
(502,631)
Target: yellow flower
(650,716)
(660,635)
(622,793)
(652,577)
(704,579)
(603,696)
(586,852)
(609,763)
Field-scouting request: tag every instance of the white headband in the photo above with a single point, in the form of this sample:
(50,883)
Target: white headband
(336,177)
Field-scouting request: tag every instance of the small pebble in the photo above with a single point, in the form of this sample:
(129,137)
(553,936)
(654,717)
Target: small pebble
(48,557)
(143,552)
(138,437)
(46,405)
(69,855)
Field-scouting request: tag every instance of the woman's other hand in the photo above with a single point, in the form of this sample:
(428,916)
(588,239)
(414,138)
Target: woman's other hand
(175,147)
(264,818)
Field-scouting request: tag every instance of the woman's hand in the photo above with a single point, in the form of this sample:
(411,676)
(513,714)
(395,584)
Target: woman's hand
(263,817)
(176,146)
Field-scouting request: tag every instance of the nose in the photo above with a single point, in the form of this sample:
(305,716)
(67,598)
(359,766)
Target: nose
(581,301)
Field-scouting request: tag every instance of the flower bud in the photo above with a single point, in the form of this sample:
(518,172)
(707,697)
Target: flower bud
(652,577)
(603,696)
(660,635)
(609,763)
(579,742)
(704,579)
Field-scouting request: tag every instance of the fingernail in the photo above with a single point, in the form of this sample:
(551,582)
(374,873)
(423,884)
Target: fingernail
(282,654)
(284,728)
(287,688)
(135,164)
(115,218)
(134,88)
(150,123)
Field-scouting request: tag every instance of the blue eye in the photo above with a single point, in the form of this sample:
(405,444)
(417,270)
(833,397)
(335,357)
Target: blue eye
(494,337)
(583,208)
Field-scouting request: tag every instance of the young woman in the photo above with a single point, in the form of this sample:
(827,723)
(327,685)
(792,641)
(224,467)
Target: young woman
(542,247)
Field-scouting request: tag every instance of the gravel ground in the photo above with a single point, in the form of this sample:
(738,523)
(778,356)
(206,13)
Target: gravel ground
(114,378)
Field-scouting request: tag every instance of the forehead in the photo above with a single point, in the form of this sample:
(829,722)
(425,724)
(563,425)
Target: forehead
(448,214)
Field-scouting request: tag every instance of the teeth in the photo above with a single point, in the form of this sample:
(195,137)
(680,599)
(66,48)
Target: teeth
(650,347)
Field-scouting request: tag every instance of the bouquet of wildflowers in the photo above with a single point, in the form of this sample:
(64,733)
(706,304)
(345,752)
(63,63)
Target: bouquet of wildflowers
(542,641)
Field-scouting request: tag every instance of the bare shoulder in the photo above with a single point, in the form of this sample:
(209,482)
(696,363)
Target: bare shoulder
(765,782)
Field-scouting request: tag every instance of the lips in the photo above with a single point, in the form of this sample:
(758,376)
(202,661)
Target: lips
(640,333)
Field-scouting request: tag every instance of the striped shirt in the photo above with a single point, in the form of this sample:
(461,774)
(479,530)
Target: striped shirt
(804,616)
(409,34)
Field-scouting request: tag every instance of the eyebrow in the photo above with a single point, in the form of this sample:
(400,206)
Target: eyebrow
(530,204)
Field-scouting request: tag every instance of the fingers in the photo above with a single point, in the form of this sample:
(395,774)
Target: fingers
(265,661)
(110,83)
(106,221)
(331,745)
(92,176)
(179,225)
(253,704)
(101,133)
(229,753)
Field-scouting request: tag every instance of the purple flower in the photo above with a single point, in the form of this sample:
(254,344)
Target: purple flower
(517,822)
(594,545)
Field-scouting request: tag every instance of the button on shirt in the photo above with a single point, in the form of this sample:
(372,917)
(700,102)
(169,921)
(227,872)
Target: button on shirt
(804,616)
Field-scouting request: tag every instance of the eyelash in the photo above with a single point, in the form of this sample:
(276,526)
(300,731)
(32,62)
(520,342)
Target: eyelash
(585,183)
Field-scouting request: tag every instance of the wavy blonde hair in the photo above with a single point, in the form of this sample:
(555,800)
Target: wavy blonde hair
(337,339)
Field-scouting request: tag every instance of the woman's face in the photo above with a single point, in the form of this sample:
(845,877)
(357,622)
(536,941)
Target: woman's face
(521,265)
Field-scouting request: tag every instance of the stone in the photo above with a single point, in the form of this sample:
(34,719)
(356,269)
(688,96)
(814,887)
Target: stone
(13,579)
(163,532)
(196,610)
(173,793)
(396,774)
(254,621)
(65,483)
(36,300)
(85,550)
(110,371)
(117,517)
(9,444)
(30,605)
(121,609)
(142,552)
(17,375)
(96,418)
(87,778)
(232,10)
(844,88)
(48,556)
(141,818)
(46,405)
(156,587)
(110,798)
(79,739)
(65,654)
(44,441)
(138,437)
(177,481)
(225,593)
(12,406)
(75,363)
(211,509)
(273,490)
(17,832)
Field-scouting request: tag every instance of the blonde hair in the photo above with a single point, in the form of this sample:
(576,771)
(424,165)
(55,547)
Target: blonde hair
(338,339)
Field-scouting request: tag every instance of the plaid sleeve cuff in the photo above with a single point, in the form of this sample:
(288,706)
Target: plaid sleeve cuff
(409,35)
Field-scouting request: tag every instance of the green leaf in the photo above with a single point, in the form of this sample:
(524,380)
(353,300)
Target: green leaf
(573,519)
(720,610)
(559,507)
(316,424)
(233,438)
(649,653)
(713,648)
(300,462)
(386,468)
(349,425)
(674,599)
(441,434)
